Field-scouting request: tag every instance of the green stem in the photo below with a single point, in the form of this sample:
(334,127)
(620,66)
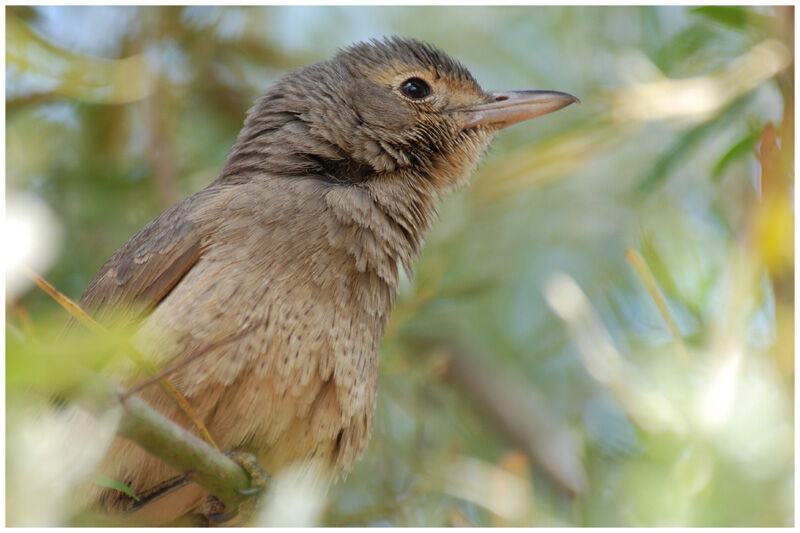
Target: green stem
(163,438)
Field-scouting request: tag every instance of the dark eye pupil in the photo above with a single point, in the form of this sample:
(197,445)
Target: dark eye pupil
(415,88)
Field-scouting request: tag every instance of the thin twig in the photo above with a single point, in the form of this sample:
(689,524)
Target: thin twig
(81,316)
(184,362)
(640,267)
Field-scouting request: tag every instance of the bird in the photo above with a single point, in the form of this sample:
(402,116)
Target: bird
(284,269)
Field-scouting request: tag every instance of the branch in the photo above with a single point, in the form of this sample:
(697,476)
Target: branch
(163,438)
(521,414)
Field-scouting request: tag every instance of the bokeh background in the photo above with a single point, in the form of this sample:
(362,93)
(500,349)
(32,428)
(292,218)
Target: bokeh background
(600,330)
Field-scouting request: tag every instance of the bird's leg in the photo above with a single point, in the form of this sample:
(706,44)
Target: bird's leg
(215,511)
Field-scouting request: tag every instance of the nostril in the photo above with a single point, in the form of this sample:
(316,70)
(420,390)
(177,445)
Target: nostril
(500,98)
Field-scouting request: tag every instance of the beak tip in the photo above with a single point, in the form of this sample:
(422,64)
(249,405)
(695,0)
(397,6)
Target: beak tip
(569,98)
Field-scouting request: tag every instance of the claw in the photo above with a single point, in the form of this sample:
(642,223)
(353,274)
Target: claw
(215,512)
(249,492)
(252,494)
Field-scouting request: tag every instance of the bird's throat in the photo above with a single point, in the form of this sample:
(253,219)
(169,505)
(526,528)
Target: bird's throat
(385,221)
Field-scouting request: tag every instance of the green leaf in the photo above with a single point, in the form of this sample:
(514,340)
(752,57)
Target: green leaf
(745,145)
(740,18)
(684,46)
(733,16)
(105,481)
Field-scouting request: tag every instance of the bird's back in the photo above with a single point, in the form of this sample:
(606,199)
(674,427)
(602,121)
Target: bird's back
(293,315)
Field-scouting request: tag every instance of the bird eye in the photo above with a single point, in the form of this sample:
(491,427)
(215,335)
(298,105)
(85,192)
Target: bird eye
(415,88)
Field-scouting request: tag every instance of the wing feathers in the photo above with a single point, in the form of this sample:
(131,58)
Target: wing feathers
(148,266)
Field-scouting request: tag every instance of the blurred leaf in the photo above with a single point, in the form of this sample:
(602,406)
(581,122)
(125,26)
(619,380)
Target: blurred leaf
(26,13)
(688,142)
(742,18)
(733,16)
(64,73)
(683,46)
(105,481)
(55,368)
(743,147)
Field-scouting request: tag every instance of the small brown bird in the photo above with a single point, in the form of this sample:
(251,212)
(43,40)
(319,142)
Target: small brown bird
(293,254)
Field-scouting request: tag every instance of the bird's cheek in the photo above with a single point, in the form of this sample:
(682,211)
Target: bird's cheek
(379,107)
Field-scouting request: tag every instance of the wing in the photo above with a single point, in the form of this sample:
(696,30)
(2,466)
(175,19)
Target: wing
(146,268)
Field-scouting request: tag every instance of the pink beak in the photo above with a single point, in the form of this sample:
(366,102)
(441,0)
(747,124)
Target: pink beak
(507,108)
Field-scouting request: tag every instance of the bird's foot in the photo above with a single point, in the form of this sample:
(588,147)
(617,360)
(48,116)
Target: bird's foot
(258,478)
(217,513)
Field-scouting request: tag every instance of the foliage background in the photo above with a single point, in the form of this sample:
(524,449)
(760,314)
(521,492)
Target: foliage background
(529,375)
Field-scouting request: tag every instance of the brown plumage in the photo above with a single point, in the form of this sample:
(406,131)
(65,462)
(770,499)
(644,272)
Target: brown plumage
(294,249)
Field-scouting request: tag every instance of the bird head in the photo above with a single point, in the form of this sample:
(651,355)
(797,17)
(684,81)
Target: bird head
(390,109)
